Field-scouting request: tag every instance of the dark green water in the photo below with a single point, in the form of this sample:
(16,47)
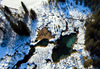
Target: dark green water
(63,47)
(43,42)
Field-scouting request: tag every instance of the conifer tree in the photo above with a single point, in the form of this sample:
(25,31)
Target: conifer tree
(24,7)
(94,50)
(97,63)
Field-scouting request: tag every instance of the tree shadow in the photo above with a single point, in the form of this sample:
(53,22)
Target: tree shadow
(6,36)
(25,19)
(33,28)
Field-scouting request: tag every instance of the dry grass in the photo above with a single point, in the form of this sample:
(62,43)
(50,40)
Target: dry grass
(44,33)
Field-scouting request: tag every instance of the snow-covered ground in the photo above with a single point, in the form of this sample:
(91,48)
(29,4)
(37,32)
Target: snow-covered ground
(54,18)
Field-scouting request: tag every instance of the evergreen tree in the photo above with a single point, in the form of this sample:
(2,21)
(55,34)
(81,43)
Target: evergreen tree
(94,50)
(97,63)
(89,45)
(24,7)
(92,35)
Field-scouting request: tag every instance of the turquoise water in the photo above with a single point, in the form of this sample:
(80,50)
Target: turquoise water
(63,47)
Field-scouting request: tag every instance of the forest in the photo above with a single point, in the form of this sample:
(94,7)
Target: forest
(92,35)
